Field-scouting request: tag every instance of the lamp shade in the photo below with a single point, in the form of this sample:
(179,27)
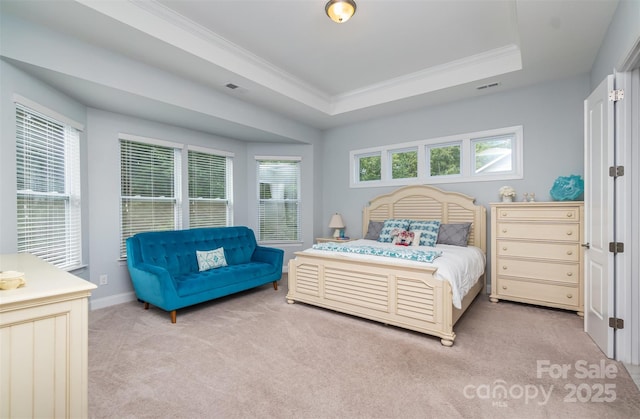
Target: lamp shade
(340,10)
(336,221)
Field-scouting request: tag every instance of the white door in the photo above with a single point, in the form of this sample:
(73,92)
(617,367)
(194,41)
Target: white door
(599,216)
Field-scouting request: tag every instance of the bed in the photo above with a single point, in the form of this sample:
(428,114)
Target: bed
(407,294)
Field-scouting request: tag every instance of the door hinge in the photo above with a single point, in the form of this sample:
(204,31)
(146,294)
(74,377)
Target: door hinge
(616,323)
(616,95)
(616,171)
(616,247)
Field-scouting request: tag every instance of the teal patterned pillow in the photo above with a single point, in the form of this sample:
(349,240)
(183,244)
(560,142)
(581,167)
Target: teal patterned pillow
(211,259)
(390,225)
(428,231)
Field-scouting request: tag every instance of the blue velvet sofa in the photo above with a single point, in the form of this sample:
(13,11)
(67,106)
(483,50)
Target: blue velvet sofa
(165,271)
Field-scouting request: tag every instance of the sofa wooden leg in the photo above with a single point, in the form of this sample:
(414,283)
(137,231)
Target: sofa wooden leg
(173,316)
(146,306)
(275,285)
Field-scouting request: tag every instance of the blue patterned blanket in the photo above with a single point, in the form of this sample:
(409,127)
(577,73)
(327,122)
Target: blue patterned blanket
(406,253)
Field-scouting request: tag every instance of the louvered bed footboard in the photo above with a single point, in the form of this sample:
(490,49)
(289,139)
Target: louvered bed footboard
(407,297)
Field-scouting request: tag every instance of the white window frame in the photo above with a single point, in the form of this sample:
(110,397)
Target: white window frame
(181,191)
(298,200)
(35,237)
(177,186)
(393,151)
(356,161)
(228,200)
(467,168)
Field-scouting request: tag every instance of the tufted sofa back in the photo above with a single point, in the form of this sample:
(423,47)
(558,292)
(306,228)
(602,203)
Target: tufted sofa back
(176,250)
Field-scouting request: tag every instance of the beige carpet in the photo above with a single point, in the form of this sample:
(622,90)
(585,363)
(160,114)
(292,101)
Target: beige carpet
(252,355)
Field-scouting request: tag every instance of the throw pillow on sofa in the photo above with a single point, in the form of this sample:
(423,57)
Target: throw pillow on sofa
(211,259)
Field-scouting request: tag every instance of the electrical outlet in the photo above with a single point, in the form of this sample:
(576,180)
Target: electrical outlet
(104,280)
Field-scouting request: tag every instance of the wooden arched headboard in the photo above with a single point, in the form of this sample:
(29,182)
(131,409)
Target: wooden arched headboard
(423,202)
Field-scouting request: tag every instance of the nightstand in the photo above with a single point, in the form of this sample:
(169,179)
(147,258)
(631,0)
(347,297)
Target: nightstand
(331,239)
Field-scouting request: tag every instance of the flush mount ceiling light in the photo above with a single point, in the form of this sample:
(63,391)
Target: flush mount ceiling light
(340,10)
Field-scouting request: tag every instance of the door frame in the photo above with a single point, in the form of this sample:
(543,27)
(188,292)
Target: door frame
(627,137)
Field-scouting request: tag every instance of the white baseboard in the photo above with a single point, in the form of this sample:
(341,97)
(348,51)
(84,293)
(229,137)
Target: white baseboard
(112,300)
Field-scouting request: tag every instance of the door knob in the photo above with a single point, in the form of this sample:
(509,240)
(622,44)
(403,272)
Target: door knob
(586,245)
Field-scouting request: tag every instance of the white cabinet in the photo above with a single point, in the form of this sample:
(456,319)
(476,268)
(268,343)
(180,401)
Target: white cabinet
(43,342)
(536,254)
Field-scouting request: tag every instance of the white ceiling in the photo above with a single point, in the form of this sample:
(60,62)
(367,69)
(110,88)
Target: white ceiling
(288,57)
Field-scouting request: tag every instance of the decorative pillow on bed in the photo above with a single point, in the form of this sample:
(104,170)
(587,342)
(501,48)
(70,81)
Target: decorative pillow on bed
(373,231)
(211,259)
(390,225)
(455,234)
(428,231)
(404,237)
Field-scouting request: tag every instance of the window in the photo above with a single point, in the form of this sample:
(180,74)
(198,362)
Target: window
(209,188)
(149,188)
(479,156)
(369,167)
(404,164)
(278,199)
(493,155)
(48,188)
(444,160)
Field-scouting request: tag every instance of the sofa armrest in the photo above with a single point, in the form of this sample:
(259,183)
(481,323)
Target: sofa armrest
(153,284)
(270,255)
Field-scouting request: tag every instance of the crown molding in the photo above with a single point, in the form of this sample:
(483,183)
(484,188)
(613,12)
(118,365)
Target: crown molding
(465,70)
(165,24)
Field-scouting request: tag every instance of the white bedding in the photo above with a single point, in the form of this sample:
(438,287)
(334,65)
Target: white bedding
(460,266)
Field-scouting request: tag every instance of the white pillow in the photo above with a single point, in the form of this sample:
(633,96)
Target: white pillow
(211,259)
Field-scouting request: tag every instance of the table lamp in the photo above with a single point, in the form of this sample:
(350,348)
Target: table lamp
(337,223)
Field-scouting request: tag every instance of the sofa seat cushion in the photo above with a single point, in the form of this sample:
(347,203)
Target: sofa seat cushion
(198,282)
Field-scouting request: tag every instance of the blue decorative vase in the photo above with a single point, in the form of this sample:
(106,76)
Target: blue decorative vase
(567,188)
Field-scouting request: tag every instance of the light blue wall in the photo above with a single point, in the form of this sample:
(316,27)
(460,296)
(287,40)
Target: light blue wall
(622,34)
(15,82)
(76,61)
(104,185)
(550,113)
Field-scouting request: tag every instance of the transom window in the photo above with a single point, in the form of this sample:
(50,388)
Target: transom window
(478,156)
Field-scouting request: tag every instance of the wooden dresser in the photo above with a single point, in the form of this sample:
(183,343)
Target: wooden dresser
(43,342)
(536,254)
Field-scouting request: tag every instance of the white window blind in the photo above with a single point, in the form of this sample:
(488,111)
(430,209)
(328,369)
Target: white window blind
(149,189)
(210,183)
(279,200)
(48,188)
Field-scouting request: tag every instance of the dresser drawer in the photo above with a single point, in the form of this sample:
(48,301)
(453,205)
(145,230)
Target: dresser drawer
(539,231)
(540,214)
(540,270)
(568,252)
(557,294)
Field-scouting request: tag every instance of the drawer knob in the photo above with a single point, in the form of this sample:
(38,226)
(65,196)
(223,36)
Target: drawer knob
(504,248)
(504,267)
(569,295)
(504,214)
(569,214)
(569,273)
(504,230)
(569,252)
(504,287)
(569,233)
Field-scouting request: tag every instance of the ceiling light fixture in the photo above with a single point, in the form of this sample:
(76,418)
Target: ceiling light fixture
(340,10)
